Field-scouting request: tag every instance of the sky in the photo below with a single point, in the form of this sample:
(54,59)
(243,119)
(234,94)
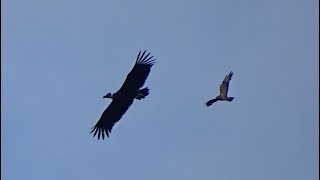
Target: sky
(60,57)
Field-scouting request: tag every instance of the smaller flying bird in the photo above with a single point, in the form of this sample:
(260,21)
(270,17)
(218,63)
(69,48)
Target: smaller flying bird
(224,87)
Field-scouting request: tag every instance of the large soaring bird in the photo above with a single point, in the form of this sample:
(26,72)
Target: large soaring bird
(224,87)
(124,97)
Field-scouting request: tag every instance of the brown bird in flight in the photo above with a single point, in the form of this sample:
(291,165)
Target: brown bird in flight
(224,87)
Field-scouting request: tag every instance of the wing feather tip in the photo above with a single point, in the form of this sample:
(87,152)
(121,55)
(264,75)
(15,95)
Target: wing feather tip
(142,59)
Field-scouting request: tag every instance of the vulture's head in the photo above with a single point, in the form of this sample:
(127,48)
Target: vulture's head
(109,95)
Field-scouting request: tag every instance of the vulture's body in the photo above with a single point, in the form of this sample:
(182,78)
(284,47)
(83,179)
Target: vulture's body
(224,87)
(124,97)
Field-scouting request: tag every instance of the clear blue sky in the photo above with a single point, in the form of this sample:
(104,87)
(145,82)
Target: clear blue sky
(59,58)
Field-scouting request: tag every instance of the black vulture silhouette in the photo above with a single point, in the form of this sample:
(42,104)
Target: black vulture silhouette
(124,97)
(224,87)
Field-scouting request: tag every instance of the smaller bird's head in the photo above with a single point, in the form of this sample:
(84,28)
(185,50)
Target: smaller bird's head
(109,95)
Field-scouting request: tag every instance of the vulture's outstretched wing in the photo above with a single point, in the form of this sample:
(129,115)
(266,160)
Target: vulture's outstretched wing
(225,85)
(139,73)
(110,116)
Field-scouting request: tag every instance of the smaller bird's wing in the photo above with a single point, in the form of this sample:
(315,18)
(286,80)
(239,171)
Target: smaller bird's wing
(110,116)
(224,87)
(139,73)
(210,102)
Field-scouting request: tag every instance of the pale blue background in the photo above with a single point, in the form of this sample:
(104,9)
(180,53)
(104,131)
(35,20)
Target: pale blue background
(59,57)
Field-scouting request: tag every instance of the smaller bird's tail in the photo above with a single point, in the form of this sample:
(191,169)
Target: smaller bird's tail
(142,93)
(230,99)
(210,102)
